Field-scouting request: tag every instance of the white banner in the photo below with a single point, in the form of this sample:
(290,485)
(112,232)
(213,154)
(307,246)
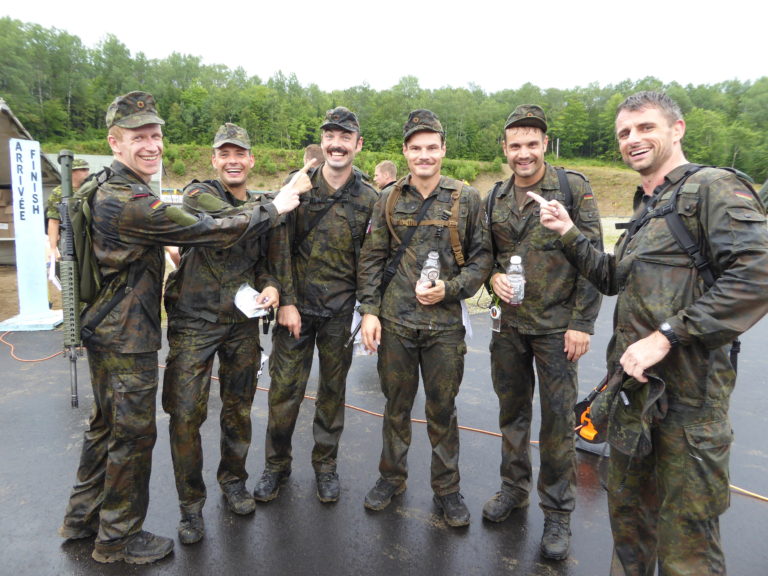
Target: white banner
(29,226)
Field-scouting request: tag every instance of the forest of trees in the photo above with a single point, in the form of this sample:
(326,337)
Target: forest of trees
(60,90)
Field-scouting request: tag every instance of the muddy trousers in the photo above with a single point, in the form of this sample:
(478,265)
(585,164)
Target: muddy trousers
(512,370)
(116,459)
(439,355)
(289,366)
(664,508)
(193,345)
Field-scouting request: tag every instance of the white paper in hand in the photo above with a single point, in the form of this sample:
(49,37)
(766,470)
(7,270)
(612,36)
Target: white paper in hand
(247,300)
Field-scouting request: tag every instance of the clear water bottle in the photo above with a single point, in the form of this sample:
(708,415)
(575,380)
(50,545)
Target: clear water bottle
(431,270)
(516,279)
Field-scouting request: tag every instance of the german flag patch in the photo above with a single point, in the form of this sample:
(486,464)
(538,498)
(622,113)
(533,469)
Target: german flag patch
(743,194)
(156,204)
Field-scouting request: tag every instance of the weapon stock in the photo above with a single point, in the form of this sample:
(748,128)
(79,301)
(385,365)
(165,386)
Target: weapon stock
(70,297)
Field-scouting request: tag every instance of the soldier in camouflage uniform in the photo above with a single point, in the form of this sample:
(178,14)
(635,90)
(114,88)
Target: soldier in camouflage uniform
(130,226)
(418,326)
(314,256)
(80,171)
(203,321)
(668,472)
(551,326)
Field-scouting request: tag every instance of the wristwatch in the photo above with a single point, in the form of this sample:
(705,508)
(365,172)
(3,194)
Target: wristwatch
(666,329)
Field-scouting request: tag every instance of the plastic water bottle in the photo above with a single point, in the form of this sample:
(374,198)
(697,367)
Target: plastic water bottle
(431,270)
(516,279)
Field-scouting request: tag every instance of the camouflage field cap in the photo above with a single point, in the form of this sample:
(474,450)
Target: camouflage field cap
(527,115)
(421,121)
(133,110)
(232,134)
(80,164)
(343,118)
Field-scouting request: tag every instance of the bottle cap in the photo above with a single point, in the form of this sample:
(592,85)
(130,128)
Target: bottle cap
(516,260)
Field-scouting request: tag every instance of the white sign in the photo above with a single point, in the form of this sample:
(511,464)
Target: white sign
(29,231)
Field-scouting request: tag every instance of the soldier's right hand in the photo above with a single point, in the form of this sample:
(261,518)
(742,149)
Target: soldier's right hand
(288,197)
(290,317)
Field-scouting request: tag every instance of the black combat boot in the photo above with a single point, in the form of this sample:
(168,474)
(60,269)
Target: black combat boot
(455,512)
(268,486)
(328,486)
(380,496)
(141,548)
(191,528)
(239,500)
(556,540)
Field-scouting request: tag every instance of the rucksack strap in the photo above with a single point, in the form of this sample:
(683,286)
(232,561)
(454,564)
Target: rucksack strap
(299,238)
(391,268)
(565,188)
(449,220)
(135,272)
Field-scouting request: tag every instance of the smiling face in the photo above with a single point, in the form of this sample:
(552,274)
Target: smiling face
(340,148)
(649,141)
(232,164)
(140,149)
(524,147)
(424,151)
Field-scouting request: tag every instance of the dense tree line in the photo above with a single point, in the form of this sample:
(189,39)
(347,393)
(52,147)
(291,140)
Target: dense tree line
(60,88)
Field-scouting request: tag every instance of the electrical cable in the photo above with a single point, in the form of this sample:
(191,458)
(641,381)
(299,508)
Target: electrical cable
(734,489)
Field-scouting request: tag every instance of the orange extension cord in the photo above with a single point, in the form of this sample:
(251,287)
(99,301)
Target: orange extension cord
(733,488)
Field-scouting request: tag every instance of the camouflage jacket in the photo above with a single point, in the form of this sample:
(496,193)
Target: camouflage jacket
(557,298)
(317,274)
(208,278)
(399,303)
(52,208)
(656,282)
(130,227)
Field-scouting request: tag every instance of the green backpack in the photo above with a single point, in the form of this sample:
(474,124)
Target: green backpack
(79,219)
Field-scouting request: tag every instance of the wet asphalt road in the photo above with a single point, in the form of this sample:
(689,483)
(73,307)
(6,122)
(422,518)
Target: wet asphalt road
(296,534)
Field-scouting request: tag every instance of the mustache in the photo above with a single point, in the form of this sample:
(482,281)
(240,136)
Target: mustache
(336,149)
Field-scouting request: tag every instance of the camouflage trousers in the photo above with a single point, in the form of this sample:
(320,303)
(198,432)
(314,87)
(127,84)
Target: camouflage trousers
(439,354)
(116,459)
(193,343)
(664,508)
(289,366)
(512,370)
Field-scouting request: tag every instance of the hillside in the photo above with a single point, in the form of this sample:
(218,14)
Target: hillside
(613,185)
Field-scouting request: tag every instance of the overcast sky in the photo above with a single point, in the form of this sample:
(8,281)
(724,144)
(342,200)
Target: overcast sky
(494,45)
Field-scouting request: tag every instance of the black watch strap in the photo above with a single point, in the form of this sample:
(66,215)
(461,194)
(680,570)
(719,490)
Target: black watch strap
(669,334)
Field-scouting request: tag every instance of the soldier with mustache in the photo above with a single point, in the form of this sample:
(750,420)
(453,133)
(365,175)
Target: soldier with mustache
(314,257)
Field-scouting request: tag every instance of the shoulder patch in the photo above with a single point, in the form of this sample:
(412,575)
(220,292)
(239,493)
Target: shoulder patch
(180,216)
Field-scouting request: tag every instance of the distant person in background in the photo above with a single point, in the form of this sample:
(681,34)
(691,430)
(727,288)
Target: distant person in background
(80,171)
(314,152)
(204,322)
(385,174)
